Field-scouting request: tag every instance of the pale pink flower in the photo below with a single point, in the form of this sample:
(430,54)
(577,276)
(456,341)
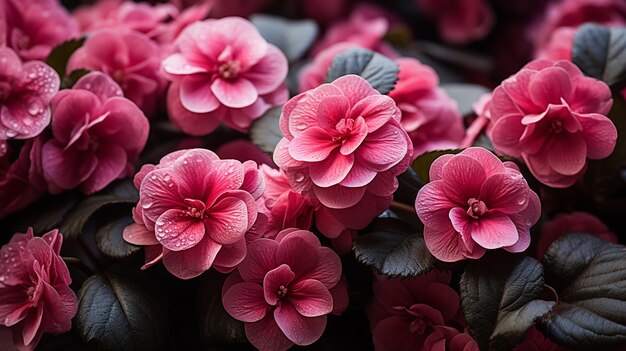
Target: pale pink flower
(130,58)
(474,203)
(284,290)
(460,21)
(313,74)
(572,14)
(32,28)
(196,211)
(223,70)
(21,181)
(415,314)
(97,136)
(552,117)
(366,27)
(344,146)
(575,222)
(429,115)
(34,285)
(25,94)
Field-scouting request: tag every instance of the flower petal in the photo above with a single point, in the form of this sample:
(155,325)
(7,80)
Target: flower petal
(504,193)
(332,170)
(193,262)
(328,268)
(310,298)
(244,302)
(260,259)
(297,328)
(275,280)
(463,176)
(177,231)
(177,64)
(236,93)
(269,72)
(313,145)
(446,245)
(494,231)
(339,196)
(266,335)
(568,154)
(376,110)
(227,220)
(432,205)
(384,148)
(196,94)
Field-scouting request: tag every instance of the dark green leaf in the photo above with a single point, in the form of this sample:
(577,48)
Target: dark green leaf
(291,37)
(215,324)
(589,274)
(465,95)
(265,132)
(59,56)
(380,71)
(422,163)
(394,249)
(600,52)
(499,298)
(118,311)
(109,238)
(49,211)
(122,192)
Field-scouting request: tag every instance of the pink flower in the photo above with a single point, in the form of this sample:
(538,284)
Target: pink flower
(25,94)
(220,8)
(195,211)
(32,28)
(151,20)
(366,27)
(21,182)
(287,209)
(575,222)
(130,58)
(225,78)
(284,290)
(573,13)
(344,146)
(34,285)
(417,314)
(429,115)
(97,136)
(460,21)
(536,341)
(559,47)
(313,74)
(473,203)
(552,117)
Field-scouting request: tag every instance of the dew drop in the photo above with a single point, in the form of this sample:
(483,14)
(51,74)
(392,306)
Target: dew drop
(153,177)
(301,126)
(299,177)
(167,178)
(11,133)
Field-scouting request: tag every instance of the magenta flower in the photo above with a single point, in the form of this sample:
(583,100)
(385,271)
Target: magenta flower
(344,146)
(21,182)
(575,222)
(32,28)
(130,58)
(473,203)
(195,211)
(34,285)
(97,136)
(286,208)
(536,341)
(25,94)
(553,117)
(460,21)
(429,115)
(284,290)
(416,314)
(366,27)
(223,75)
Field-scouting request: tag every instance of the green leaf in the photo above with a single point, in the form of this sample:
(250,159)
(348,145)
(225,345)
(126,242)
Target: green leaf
(122,192)
(465,95)
(380,71)
(422,163)
(118,311)
(291,37)
(215,324)
(589,274)
(600,52)
(499,298)
(265,131)
(394,249)
(59,55)
(109,238)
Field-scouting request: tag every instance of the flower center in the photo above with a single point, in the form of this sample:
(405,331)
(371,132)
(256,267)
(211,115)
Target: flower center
(282,291)
(5,91)
(196,208)
(345,125)
(30,292)
(418,325)
(229,69)
(556,126)
(476,208)
(194,212)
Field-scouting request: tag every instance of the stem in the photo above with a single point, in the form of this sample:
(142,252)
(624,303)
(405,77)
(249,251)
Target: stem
(77,263)
(399,206)
(474,130)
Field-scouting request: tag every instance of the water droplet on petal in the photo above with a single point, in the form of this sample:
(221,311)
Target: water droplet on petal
(167,178)
(301,126)
(299,177)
